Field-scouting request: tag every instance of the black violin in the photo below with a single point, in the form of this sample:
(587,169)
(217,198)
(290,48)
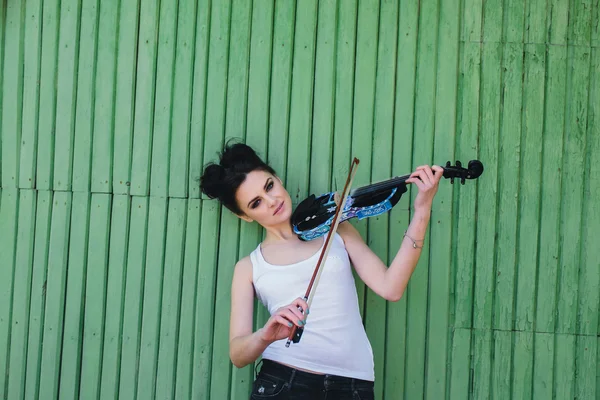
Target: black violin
(314,215)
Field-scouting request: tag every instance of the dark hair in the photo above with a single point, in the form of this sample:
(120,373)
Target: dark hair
(221,181)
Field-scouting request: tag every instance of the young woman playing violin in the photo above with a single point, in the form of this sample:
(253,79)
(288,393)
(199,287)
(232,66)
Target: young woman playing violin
(334,360)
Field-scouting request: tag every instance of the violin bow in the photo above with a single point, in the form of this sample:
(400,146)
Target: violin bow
(296,333)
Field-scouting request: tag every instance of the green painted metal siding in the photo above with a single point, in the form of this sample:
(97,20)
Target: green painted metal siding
(115,273)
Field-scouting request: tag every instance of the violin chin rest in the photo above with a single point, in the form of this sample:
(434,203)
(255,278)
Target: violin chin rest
(304,209)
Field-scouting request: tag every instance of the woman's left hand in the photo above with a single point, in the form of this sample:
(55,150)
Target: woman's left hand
(427,181)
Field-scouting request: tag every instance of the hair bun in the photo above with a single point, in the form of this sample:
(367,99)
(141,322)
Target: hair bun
(212,180)
(221,180)
(237,155)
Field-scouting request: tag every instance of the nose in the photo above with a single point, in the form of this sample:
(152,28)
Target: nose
(271,201)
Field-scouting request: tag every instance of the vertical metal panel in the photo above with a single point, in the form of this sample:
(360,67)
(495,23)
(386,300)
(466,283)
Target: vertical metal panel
(2,29)
(589,277)
(38,293)
(31,92)
(220,376)
(237,114)
(86,75)
(8,226)
(572,188)
(301,101)
(205,298)
(104,98)
(257,136)
(95,295)
(396,366)
(467,144)
(115,296)
(129,14)
(281,77)
(321,150)
(171,297)
(189,292)
(422,153)
(459,384)
(134,292)
(55,292)
(543,365)
(438,350)
(550,205)
(144,98)
(216,86)
(75,296)
(197,127)
(367,27)
(12,105)
(381,169)
(163,103)
(152,298)
(182,113)
(522,365)
(530,178)
(66,80)
(47,102)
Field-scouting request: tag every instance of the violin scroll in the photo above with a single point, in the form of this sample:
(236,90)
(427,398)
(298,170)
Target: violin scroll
(473,171)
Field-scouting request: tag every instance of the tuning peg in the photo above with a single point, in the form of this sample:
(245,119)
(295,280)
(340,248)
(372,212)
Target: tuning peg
(448,165)
(458,164)
(452,180)
(462,181)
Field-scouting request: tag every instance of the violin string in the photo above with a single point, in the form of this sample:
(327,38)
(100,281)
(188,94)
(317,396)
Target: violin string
(390,183)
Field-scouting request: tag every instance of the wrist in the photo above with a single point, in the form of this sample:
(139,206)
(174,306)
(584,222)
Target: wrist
(422,213)
(260,336)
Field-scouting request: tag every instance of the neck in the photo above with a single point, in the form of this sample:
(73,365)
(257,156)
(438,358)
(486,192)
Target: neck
(281,232)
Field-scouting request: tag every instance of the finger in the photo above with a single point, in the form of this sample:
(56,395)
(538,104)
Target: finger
(298,314)
(423,176)
(429,173)
(417,181)
(291,316)
(300,302)
(283,321)
(439,172)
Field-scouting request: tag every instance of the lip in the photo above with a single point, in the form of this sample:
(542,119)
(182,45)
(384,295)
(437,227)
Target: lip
(278,209)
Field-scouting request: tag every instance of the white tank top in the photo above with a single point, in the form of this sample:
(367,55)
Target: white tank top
(334,339)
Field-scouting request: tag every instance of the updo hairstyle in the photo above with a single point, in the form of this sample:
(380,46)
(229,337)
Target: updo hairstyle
(221,181)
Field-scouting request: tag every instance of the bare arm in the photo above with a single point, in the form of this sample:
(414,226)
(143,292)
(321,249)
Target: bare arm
(246,346)
(390,282)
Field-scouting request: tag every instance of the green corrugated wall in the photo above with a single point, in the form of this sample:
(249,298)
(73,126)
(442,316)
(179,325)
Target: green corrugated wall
(115,273)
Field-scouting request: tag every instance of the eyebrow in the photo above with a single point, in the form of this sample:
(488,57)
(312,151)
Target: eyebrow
(265,188)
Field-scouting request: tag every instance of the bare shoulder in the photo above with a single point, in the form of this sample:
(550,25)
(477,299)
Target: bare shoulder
(243,269)
(348,232)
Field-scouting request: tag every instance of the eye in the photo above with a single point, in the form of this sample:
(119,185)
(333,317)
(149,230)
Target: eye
(255,204)
(270,186)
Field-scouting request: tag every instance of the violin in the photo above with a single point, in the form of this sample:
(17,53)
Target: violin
(314,215)
(317,216)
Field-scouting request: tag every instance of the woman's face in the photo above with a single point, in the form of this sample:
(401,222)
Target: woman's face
(263,199)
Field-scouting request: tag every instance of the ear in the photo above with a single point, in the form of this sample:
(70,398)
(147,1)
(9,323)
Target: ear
(245,218)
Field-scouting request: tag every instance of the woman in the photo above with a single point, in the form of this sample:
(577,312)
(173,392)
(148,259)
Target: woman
(334,359)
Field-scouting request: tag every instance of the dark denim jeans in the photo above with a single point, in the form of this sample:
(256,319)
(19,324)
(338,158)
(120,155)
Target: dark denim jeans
(277,381)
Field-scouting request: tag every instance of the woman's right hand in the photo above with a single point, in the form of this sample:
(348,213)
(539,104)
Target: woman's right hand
(280,324)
